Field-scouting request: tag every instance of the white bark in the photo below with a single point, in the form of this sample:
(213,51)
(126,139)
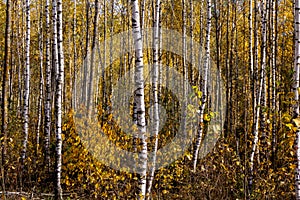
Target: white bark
(296,92)
(58,101)
(139,98)
(26,85)
(40,101)
(259,97)
(155,126)
(274,67)
(204,87)
(47,107)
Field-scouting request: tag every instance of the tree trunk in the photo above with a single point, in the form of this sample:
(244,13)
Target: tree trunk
(274,92)
(47,106)
(155,125)
(296,92)
(90,96)
(26,89)
(204,87)
(40,100)
(139,99)
(58,100)
(3,135)
(259,98)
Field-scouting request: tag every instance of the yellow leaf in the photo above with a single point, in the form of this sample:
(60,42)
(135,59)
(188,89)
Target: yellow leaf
(206,117)
(199,93)
(292,166)
(222,165)
(297,122)
(67,182)
(165,191)
(289,125)
(189,156)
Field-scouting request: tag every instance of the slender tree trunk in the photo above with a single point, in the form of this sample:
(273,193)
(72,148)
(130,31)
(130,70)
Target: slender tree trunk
(91,82)
(191,17)
(47,106)
(251,70)
(3,135)
(259,98)
(86,59)
(263,103)
(274,92)
(155,126)
(296,92)
(204,87)
(26,89)
(40,100)
(74,89)
(139,98)
(227,72)
(104,98)
(19,49)
(111,30)
(218,6)
(143,5)
(184,66)
(58,102)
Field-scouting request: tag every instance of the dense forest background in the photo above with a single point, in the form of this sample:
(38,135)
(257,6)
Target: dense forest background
(45,48)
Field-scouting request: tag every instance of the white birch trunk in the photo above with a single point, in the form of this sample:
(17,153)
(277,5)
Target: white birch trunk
(204,89)
(155,126)
(40,101)
(26,86)
(47,106)
(259,98)
(296,92)
(263,103)
(274,67)
(139,98)
(58,101)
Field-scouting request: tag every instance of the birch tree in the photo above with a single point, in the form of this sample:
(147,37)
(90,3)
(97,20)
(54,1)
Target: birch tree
(139,98)
(259,97)
(155,74)
(274,68)
(296,92)
(263,100)
(41,88)
(26,87)
(204,87)
(47,106)
(58,100)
